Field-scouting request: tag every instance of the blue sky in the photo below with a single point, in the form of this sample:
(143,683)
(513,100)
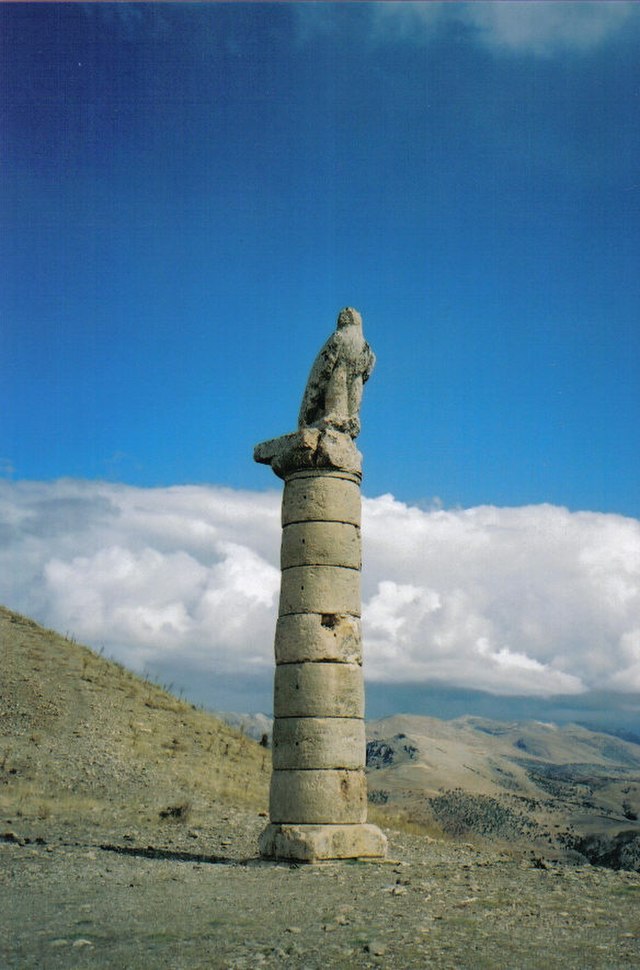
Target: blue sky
(192,192)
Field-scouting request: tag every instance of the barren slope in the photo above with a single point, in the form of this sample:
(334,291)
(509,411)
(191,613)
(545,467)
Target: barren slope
(81,738)
(550,786)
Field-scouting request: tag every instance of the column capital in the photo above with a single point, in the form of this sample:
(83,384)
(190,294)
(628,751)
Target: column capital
(310,449)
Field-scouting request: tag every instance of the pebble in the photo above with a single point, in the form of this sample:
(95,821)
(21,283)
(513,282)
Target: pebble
(376,949)
(12,837)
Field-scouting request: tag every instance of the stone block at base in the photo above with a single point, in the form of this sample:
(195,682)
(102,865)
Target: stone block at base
(313,843)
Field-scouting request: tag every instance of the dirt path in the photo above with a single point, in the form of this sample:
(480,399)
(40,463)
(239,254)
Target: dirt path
(209,902)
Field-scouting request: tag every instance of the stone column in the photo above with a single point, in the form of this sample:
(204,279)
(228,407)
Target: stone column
(318,799)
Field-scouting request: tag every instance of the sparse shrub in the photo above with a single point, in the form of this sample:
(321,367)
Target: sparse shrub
(178,813)
(621,851)
(378,797)
(460,813)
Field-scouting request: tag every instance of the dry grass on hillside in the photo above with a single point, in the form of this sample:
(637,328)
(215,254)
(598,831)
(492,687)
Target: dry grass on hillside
(81,737)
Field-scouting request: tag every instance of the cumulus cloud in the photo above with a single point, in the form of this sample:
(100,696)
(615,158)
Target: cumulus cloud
(182,575)
(522,601)
(534,600)
(528,27)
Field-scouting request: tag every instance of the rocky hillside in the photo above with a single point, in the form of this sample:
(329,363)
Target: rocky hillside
(565,790)
(81,738)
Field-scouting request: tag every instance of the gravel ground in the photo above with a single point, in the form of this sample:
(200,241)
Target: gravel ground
(180,899)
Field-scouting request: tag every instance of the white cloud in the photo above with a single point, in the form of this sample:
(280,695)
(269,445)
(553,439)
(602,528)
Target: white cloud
(546,28)
(535,600)
(181,574)
(517,26)
(527,600)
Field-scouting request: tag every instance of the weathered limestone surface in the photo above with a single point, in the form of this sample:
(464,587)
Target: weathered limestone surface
(318,798)
(321,498)
(320,589)
(317,637)
(334,389)
(308,843)
(320,544)
(318,690)
(318,742)
(310,448)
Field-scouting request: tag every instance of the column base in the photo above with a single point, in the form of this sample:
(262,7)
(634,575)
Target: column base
(311,843)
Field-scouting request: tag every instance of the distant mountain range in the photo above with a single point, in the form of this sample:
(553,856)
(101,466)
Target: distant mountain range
(567,791)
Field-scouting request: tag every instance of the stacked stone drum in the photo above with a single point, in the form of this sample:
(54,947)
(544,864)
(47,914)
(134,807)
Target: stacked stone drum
(318,801)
